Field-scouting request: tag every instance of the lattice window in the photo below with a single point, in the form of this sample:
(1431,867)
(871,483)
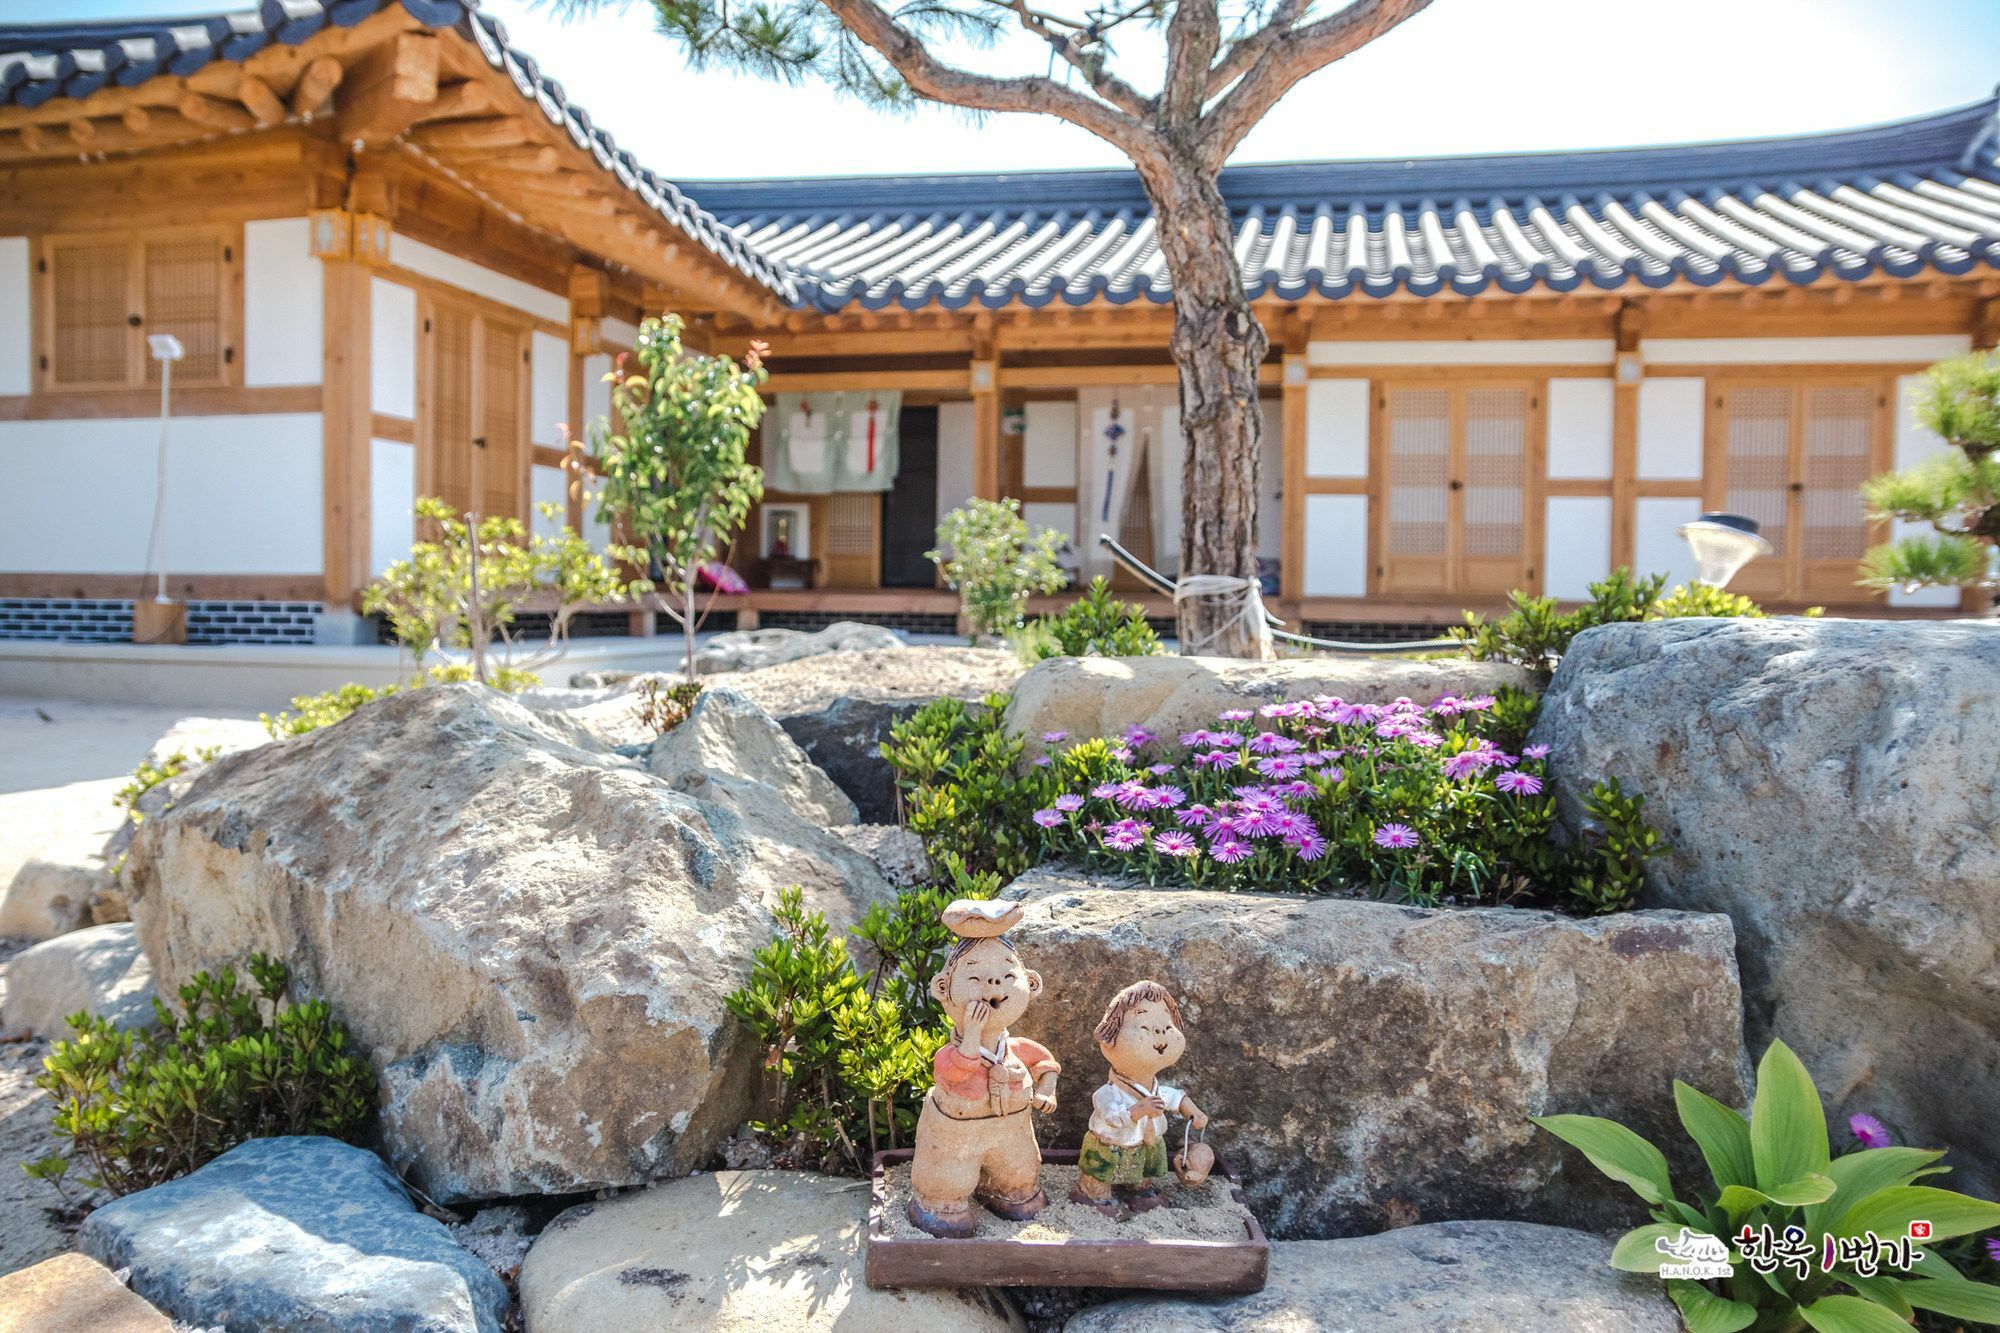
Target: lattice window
(499,456)
(1757,442)
(1419,446)
(104,294)
(851,523)
(1839,434)
(1496,438)
(451,405)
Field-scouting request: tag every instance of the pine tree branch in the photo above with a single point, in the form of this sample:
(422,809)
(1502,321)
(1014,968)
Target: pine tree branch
(1075,48)
(1288,59)
(933,78)
(1194,34)
(1244,54)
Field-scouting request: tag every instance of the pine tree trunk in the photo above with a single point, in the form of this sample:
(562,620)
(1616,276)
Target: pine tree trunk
(1218,347)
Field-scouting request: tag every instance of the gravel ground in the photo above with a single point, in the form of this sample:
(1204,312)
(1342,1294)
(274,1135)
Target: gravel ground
(922,672)
(34,1223)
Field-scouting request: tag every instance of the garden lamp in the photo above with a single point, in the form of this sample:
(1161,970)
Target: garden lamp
(1722,545)
(165,621)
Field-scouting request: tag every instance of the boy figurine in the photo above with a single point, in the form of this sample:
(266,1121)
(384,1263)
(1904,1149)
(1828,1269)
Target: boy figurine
(1125,1151)
(975,1134)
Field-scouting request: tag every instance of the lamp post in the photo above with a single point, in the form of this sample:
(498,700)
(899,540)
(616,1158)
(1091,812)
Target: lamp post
(161,620)
(1722,545)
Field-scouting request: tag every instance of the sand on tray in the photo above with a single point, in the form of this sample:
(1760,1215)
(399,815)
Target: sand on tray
(1208,1211)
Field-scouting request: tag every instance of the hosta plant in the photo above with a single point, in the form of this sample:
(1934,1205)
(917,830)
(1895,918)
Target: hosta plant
(1776,1169)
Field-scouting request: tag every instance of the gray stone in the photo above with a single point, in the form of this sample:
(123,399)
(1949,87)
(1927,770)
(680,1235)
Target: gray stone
(730,750)
(746,650)
(1834,786)
(1085,697)
(896,852)
(294,1233)
(72,1293)
(1366,1062)
(532,942)
(1466,1277)
(774,1251)
(100,970)
(186,742)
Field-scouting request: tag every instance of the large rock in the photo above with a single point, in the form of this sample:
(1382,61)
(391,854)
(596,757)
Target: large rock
(730,750)
(1468,1277)
(839,709)
(1102,696)
(1366,1062)
(100,970)
(1834,786)
(295,1233)
(775,1251)
(747,650)
(73,1293)
(52,855)
(531,941)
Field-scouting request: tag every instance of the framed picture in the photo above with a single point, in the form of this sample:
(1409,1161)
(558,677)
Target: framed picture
(787,533)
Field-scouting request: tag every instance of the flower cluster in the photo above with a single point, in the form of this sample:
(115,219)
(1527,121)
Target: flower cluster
(1416,801)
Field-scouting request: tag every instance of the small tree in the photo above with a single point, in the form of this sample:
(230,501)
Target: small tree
(679,473)
(1956,492)
(987,554)
(458,592)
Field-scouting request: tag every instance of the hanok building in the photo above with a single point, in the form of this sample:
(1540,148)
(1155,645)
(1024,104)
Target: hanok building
(398,257)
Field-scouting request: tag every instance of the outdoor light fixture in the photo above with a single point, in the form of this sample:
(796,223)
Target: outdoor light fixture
(163,620)
(1722,545)
(1629,368)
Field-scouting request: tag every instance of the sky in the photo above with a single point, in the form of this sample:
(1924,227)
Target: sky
(1466,76)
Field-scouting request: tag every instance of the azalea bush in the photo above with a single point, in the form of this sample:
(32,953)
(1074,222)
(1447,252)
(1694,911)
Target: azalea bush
(1843,1223)
(848,1050)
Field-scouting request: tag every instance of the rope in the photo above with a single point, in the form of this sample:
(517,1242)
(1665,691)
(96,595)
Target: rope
(1247,594)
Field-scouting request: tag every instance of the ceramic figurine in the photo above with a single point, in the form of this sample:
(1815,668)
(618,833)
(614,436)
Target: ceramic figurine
(1125,1152)
(976,1134)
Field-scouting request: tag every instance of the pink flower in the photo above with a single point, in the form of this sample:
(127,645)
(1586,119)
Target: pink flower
(1190,739)
(1270,742)
(1229,851)
(1126,835)
(1447,706)
(1176,844)
(1517,783)
(1535,752)
(1044,761)
(1138,737)
(1871,1132)
(1310,847)
(1048,818)
(1194,816)
(1217,759)
(1069,802)
(1466,763)
(1353,715)
(1395,836)
(1281,766)
(1122,753)
(1234,715)
(1053,737)
(1132,795)
(1106,791)
(1426,740)
(1160,770)
(1479,703)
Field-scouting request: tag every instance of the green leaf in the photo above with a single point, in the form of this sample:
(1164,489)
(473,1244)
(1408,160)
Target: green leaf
(1888,1213)
(1722,1134)
(1614,1150)
(1705,1312)
(1881,1289)
(1787,1126)
(1851,1314)
(1738,1200)
(1859,1174)
(1976,1301)
(1636,1252)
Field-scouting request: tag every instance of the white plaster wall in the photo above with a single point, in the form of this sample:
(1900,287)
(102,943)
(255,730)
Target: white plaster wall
(1166,474)
(1336,546)
(1671,423)
(1270,483)
(619,333)
(1060,517)
(1465,352)
(213,463)
(283,301)
(596,393)
(1779,351)
(595,531)
(547,486)
(432,262)
(392,348)
(1048,449)
(548,388)
(17,362)
(1913,445)
(956,425)
(1337,428)
(1577,550)
(1657,547)
(392,495)
(1580,428)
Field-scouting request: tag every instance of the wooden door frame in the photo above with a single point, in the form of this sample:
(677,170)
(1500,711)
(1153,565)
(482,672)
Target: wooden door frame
(481,316)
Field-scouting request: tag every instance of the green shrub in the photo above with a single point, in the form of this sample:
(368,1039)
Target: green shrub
(847,1057)
(661,710)
(149,775)
(140,1108)
(987,554)
(1096,624)
(323,710)
(1535,634)
(1955,492)
(1776,1169)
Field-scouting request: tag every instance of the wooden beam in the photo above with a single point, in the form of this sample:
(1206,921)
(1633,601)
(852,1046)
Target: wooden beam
(460,99)
(84,131)
(315,85)
(214,113)
(390,88)
(259,100)
(1627,328)
(513,157)
(500,132)
(346,420)
(985,383)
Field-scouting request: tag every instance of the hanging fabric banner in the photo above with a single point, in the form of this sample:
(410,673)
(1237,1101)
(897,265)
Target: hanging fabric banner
(821,443)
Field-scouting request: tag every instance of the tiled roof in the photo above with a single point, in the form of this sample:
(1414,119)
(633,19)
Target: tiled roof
(43,61)
(1901,199)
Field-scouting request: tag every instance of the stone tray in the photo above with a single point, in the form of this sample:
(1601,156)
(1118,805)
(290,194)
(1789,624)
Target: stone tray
(1224,1266)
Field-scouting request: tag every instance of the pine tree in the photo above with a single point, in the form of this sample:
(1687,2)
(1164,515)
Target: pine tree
(1956,492)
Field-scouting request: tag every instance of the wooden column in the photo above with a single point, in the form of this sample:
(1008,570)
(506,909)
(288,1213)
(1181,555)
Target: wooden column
(1294,381)
(345,421)
(985,380)
(1624,439)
